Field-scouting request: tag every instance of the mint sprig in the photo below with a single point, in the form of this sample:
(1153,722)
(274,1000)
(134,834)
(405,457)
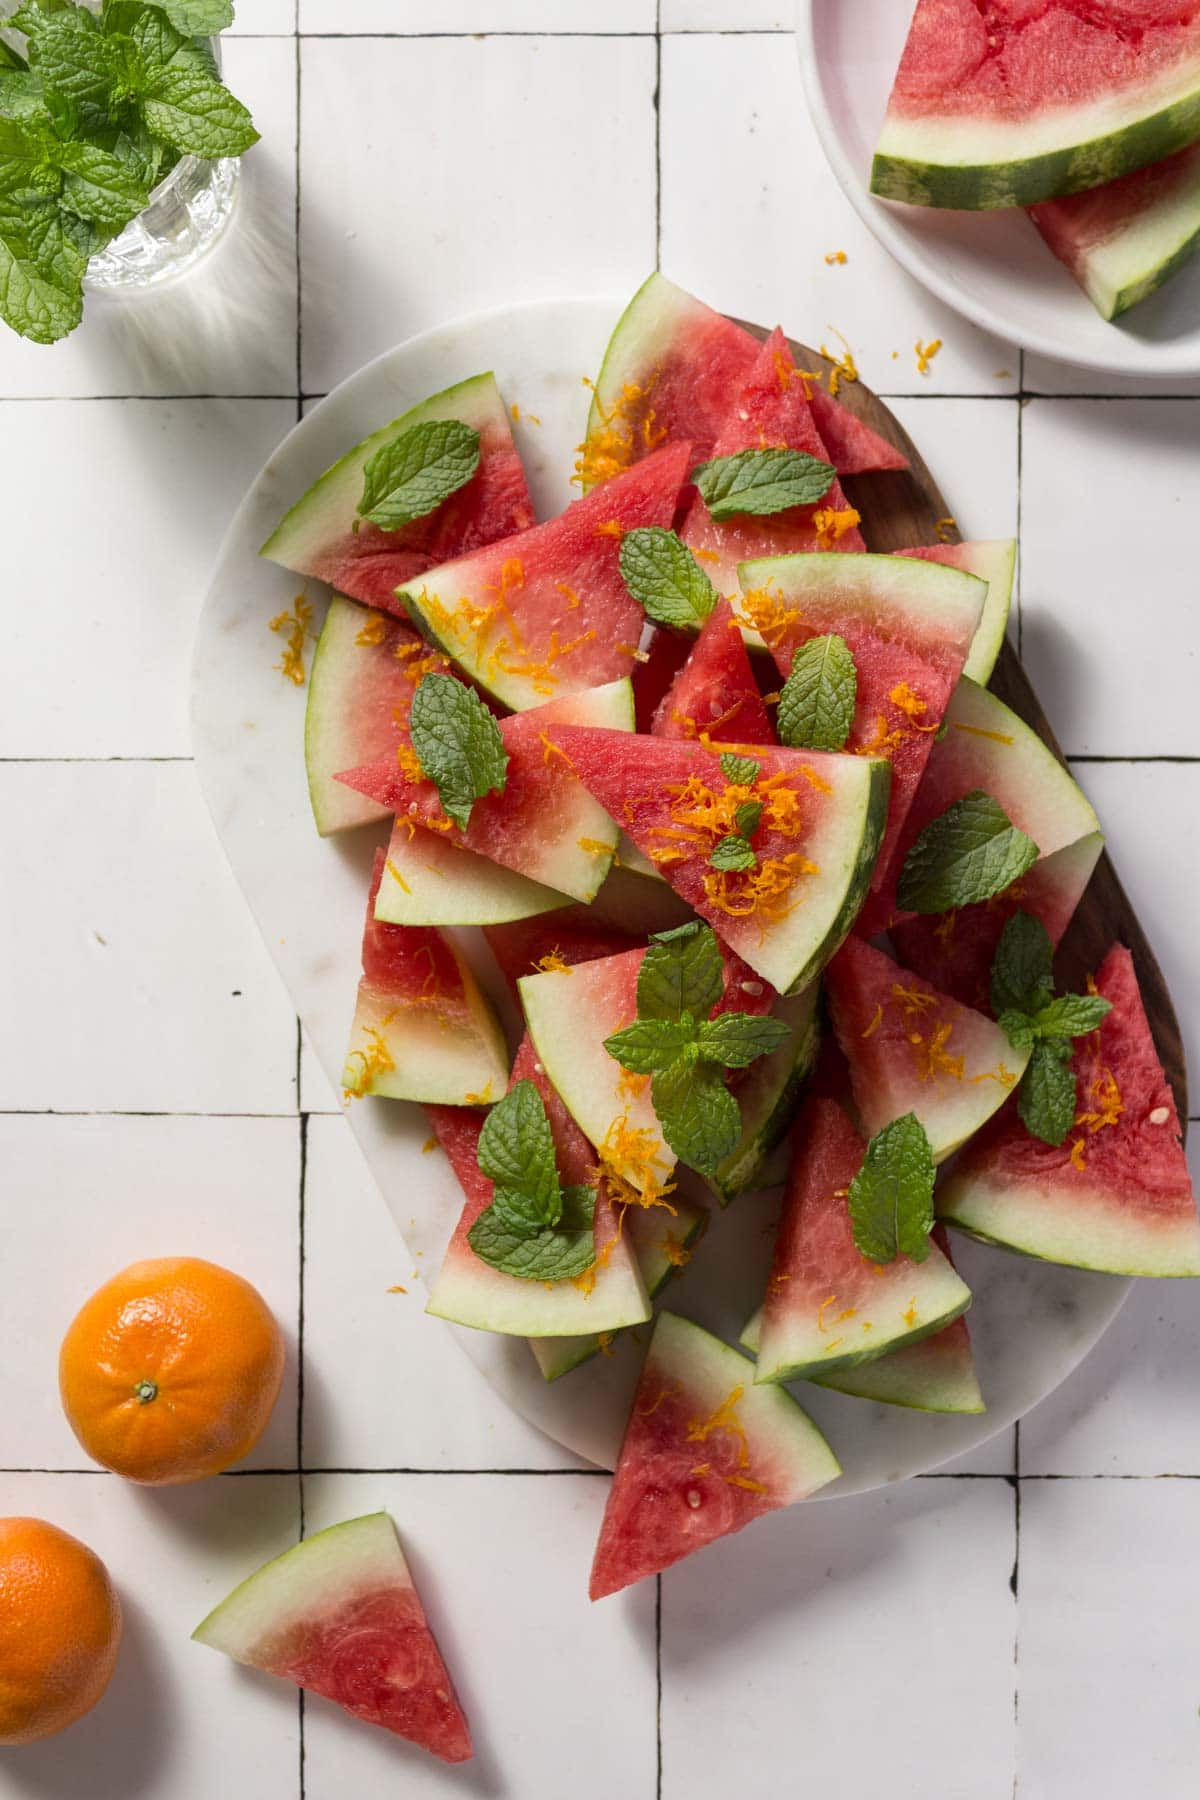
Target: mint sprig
(664,578)
(411,476)
(816,704)
(969,853)
(1041,1026)
(458,745)
(891,1197)
(762,481)
(534,1228)
(681,973)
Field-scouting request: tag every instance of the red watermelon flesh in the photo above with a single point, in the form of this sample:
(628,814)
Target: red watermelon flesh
(652,678)
(715,693)
(1116,1195)
(409,961)
(771,411)
(569,936)
(852,447)
(705,1453)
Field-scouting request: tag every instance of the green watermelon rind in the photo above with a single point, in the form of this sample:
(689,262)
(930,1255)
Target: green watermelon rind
(770,1095)
(656,304)
(329,508)
(993,560)
(870,826)
(950,163)
(436,1061)
(896,1379)
(570,869)
(335,807)
(1090,1230)
(1141,255)
(447,885)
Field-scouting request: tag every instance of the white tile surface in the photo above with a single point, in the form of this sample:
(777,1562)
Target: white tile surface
(437,16)
(385,1386)
(108,1192)
(1110,1588)
(381,255)
(253,17)
(749,212)
(87,619)
(795,1648)
(141,984)
(1091,582)
(727,15)
(971,449)
(560,1693)
(317,1094)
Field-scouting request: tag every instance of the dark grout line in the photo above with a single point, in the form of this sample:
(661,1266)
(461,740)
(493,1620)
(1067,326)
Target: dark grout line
(591,1474)
(70,760)
(1185,760)
(115,1112)
(296,227)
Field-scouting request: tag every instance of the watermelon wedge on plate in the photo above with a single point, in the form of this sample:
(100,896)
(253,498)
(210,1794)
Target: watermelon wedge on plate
(1116,1195)
(422,1029)
(1123,240)
(705,1453)
(991,560)
(715,693)
(547,613)
(1008,102)
(544,825)
(339,1615)
(324,536)
(911,1049)
(469,1291)
(673,370)
(429,881)
(768,1093)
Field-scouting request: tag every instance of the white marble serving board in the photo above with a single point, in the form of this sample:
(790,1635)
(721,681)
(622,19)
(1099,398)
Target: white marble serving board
(1030,1323)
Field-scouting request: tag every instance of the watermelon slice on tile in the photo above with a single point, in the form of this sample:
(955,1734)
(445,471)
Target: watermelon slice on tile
(705,1453)
(912,1049)
(993,560)
(546,613)
(422,1028)
(340,1616)
(468,1291)
(715,693)
(1116,1195)
(324,536)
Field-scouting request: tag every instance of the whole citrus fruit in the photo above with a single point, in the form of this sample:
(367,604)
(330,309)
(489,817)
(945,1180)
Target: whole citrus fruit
(60,1625)
(170,1371)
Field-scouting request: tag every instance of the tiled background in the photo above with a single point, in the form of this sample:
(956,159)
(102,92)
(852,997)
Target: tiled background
(1022,1624)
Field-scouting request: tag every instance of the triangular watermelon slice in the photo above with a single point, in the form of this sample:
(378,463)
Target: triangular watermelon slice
(828,1308)
(555,940)
(771,411)
(911,1049)
(908,625)
(422,1029)
(469,1291)
(1116,1195)
(816,840)
(428,881)
(340,1616)
(544,825)
(705,1453)
(547,613)
(993,560)
(715,693)
(672,371)
(324,536)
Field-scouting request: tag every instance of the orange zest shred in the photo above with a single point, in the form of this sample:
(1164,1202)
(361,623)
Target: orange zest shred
(518,415)
(945,529)
(552,963)
(294,622)
(613,528)
(910,1317)
(631,1162)
(396,876)
(665,1393)
(725,1419)
(883,742)
(627,429)
(374,631)
(593,846)
(827,1302)
(766,612)
(430,1144)
(831,523)
(550,750)
(1078,1158)
(675,1250)
(926,354)
(1002,1073)
(397,1289)
(912,706)
(630,1084)
(1107,1104)
(375,1060)
(572,598)
(835,257)
(604,1342)
(481,1099)
(933,1058)
(997,737)
(843,367)
(912,1001)
(876,1022)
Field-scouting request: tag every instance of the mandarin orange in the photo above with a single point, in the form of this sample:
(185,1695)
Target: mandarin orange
(60,1628)
(170,1371)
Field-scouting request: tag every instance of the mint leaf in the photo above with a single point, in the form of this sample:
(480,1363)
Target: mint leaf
(681,972)
(516,1151)
(458,745)
(747,817)
(179,97)
(73,58)
(664,577)
(1048,1093)
(100,186)
(1023,966)
(762,481)
(816,706)
(1072,1016)
(32,15)
(891,1197)
(650,1044)
(735,1040)
(740,771)
(1018,1028)
(551,1254)
(699,1116)
(972,851)
(199,18)
(732,855)
(37,298)
(412,475)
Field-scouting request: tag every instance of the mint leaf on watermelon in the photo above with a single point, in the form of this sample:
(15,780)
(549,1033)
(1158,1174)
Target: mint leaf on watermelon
(664,577)
(970,852)
(1023,967)
(735,1040)
(417,471)
(762,481)
(891,1197)
(732,853)
(458,745)
(747,817)
(1072,1016)
(681,972)
(558,1253)
(534,1228)
(650,1044)
(740,771)
(1047,1098)
(1033,1020)
(516,1151)
(699,1116)
(816,706)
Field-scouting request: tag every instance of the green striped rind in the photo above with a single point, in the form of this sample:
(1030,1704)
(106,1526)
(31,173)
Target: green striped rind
(1066,1221)
(1139,282)
(997,751)
(428,881)
(927,600)
(870,823)
(434,1060)
(769,1096)
(946,163)
(920,1376)
(993,560)
(656,316)
(324,1571)
(1140,255)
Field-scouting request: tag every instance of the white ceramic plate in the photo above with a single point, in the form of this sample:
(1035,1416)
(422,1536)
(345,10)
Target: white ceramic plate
(991,267)
(1031,1323)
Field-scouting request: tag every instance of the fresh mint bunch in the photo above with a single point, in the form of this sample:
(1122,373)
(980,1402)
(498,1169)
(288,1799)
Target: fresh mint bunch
(534,1228)
(94,111)
(685,1052)
(816,706)
(458,745)
(891,1197)
(762,481)
(1034,1021)
(664,578)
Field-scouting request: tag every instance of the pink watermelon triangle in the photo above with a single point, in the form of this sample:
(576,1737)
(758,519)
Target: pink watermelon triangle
(715,691)
(854,449)
(408,963)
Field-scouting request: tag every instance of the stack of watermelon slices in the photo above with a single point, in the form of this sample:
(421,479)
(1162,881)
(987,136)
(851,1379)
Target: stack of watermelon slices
(1089,116)
(619,785)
